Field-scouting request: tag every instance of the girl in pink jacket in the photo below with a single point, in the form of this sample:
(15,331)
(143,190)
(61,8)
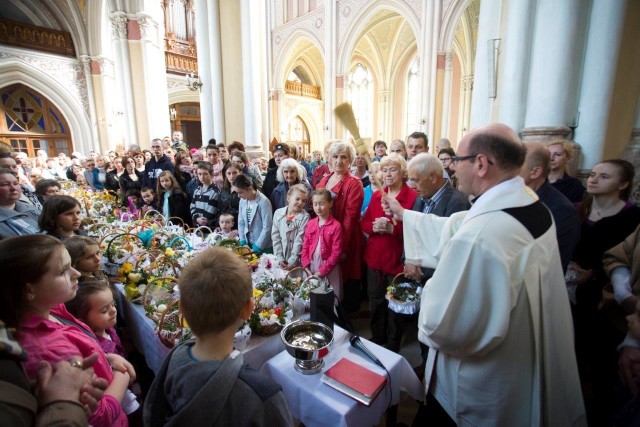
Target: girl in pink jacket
(323,242)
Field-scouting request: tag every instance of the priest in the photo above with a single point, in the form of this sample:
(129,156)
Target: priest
(495,313)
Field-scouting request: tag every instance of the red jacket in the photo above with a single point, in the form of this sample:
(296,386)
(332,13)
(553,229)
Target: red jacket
(384,251)
(346,209)
(330,246)
(318,174)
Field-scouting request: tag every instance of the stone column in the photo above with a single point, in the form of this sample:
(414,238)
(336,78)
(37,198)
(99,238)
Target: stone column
(124,107)
(516,53)
(331,87)
(446,96)
(465,114)
(482,102)
(152,102)
(427,51)
(250,75)
(384,117)
(556,68)
(601,62)
(210,70)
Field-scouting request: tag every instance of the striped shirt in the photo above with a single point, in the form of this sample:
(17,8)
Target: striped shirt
(204,204)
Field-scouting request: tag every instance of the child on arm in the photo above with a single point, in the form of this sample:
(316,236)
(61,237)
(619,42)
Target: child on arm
(323,242)
(287,231)
(94,305)
(215,299)
(149,201)
(227,228)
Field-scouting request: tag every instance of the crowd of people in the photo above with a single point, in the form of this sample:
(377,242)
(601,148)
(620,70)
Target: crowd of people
(508,245)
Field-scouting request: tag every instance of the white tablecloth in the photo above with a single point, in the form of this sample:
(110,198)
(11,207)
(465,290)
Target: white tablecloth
(316,404)
(142,329)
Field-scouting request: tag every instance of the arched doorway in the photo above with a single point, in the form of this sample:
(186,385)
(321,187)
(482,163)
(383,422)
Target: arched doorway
(185,117)
(298,135)
(30,122)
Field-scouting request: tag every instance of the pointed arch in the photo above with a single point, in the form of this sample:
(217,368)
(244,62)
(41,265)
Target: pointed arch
(449,22)
(316,133)
(14,71)
(282,62)
(354,33)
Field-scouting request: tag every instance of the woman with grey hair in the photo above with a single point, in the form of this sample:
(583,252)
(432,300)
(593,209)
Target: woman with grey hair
(347,194)
(289,173)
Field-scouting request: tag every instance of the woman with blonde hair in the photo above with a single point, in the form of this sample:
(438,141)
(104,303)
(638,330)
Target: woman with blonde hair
(348,194)
(561,154)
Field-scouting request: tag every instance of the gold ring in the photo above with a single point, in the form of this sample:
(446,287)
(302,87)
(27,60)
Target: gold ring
(76,363)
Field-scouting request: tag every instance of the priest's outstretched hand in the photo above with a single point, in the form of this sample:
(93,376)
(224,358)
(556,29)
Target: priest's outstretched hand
(392,207)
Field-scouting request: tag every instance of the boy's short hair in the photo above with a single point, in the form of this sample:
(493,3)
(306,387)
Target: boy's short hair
(212,147)
(214,288)
(144,189)
(227,215)
(205,165)
(380,142)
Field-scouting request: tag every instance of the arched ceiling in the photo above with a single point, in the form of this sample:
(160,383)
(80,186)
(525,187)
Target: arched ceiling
(307,55)
(385,41)
(466,35)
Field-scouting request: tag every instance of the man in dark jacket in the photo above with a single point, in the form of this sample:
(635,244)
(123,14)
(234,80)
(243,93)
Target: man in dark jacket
(158,163)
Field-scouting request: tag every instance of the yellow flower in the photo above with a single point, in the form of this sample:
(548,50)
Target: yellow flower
(169,252)
(134,277)
(127,267)
(265,313)
(257,293)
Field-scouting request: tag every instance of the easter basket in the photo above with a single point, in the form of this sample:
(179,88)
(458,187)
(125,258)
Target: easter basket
(158,296)
(404,295)
(171,325)
(272,311)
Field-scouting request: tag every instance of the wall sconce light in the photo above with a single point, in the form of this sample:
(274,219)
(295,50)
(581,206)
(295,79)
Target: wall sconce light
(193,82)
(325,127)
(172,114)
(423,121)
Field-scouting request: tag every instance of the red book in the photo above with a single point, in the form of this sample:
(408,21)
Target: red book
(354,380)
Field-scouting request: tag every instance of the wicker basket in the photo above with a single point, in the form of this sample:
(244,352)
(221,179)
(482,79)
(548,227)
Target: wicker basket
(171,325)
(154,291)
(265,330)
(404,307)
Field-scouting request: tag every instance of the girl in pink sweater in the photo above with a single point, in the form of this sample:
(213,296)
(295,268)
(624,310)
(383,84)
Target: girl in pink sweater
(323,242)
(37,280)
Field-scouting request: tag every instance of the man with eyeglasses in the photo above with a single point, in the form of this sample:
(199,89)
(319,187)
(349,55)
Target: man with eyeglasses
(495,313)
(159,162)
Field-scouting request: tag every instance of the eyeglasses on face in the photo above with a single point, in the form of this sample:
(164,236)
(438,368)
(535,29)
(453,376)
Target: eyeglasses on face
(456,159)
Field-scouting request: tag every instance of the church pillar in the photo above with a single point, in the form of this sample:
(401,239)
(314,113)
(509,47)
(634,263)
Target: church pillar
(516,53)
(599,123)
(556,68)
(446,97)
(428,40)
(384,116)
(340,83)
(123,109)
(250,74)
(210,70)
(332,90)
(146,49)
(467,87)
